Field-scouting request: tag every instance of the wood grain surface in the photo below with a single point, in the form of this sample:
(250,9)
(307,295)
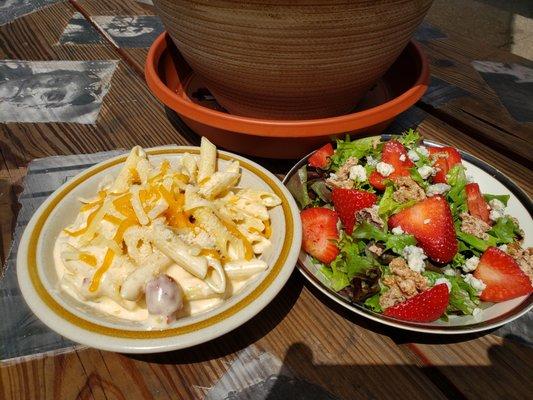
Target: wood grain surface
(317,340)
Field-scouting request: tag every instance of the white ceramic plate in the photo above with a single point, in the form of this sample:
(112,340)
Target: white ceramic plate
(75,320)
(491,181)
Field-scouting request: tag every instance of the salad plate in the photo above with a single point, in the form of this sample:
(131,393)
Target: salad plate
(481,292)
(80,314)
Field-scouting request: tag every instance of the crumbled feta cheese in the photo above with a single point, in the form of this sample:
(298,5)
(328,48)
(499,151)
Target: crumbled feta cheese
(398,230)
(402,157)
(333,176)
(437,188)
(497,209)
(358,173)
(476,313)
(415,258)
(469,178)
(448,271)
(471,264)
(423,150)
(477,284)
(446,281)
(426,171)
(427,221)
(494,214)
(384,168)
(413,155)
(503,247)
(496,204)
(371,161)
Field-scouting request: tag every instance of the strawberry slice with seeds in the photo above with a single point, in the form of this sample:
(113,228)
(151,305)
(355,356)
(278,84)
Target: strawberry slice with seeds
(427,306)
(477,206)
(445,158)
(503,277)
(320,233)
(395,154)
(348,201)
(321,157)
(430,222)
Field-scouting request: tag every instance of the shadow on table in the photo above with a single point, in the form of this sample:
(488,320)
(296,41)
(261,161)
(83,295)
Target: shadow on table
(370,381)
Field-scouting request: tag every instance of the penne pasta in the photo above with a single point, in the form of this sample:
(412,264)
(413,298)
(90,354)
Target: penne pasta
(242,269)
(208,160)
(172,246)
(218,183)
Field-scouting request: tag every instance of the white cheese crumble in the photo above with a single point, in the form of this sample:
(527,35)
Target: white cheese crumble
(427,221)
(358,173)
(371,161)
(471,264)
(384,168)
(446,281)
(402,157)
(426,171)
(413,156)
(398,230)
(497,209)
(415,258)
(423,150)
(448,271)
(477,284)
(437,188)
(503,248)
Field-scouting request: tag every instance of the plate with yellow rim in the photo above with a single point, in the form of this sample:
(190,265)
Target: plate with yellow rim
(72,318)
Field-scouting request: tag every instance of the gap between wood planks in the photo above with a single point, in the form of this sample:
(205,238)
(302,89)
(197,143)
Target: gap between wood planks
(443,383)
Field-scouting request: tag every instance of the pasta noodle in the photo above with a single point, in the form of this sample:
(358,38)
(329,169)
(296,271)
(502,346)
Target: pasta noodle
(188,221)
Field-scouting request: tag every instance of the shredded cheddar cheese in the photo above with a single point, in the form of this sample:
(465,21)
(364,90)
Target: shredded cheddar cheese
(108,260)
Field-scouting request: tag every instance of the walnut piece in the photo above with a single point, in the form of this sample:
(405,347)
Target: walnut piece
(474,226)
(403,283)
(407,189)
(370,215)
(341,179)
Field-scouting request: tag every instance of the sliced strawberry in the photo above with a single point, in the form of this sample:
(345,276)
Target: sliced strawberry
(395,154)
(320,233)
(477,205)
(348,201)
(430,222)
(427,306)
(502,276)
(320,158)
(445,158)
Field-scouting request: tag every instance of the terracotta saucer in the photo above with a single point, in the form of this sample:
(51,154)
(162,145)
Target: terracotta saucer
(173,82)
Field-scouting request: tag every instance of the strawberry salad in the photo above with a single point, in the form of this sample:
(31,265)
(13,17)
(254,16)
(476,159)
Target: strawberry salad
(400,229)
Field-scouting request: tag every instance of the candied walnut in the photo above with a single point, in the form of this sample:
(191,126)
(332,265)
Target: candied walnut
(403,283)
(370,215)
(341,178)
(523,257)
(407,189)
(474,226)
(376,249)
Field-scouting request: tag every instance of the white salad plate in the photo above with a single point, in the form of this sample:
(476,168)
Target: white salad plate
(79,322)
(491,181)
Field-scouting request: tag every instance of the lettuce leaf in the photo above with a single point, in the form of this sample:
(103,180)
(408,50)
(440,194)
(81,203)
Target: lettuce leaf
(410,138)
(297,185)
(504,198)
(388,206)
(505,230)
(474,243)
(396,243)
(456,178)
(358,148)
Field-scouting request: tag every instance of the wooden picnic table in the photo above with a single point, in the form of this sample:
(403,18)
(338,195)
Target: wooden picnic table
(319,342)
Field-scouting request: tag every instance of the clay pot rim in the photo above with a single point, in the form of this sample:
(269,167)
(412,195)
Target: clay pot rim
(281,128)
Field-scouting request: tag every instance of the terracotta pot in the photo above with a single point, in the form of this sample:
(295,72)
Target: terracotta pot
(284,59)
(172,81)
